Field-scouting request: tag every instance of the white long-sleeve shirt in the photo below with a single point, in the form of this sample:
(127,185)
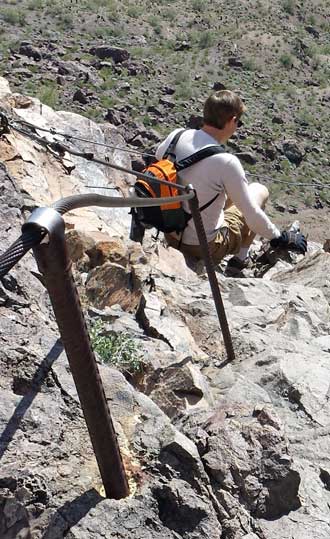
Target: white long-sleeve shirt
(220,174)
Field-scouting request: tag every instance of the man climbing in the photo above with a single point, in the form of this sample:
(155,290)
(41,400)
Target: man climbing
(236,215)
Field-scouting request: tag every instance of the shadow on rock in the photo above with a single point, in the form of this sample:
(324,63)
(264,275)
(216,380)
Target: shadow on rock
(71,513)
(34,387)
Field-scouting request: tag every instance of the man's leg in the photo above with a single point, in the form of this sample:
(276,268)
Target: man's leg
(260,195)
(241,236)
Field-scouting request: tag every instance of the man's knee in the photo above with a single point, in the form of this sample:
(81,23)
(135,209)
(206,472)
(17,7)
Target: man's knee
(260,193)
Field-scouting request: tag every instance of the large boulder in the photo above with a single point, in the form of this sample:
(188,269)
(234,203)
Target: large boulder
(117,54)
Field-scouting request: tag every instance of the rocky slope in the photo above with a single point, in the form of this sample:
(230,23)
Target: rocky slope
(147,67)
(217,449)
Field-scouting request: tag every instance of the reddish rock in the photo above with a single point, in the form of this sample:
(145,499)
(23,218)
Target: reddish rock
(108,250)
(111,284)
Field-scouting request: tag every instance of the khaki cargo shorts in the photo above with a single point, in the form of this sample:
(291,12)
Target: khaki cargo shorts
(227,241)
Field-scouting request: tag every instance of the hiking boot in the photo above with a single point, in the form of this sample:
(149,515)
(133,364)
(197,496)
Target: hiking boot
(235,267)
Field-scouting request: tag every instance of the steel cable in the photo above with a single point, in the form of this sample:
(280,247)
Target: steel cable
(19,248)
(88,156)
(31,238)
(62,148)
(53,131)
(92,199)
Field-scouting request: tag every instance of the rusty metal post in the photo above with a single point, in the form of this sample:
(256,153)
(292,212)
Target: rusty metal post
(209,265)
(55,265)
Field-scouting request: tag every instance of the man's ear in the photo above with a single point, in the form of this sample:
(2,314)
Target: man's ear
(230,121)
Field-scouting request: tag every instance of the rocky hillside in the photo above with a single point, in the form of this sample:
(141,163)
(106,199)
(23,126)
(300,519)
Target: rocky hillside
(212,449)
(148,66)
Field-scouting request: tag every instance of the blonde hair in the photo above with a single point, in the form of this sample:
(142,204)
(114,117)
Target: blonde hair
(221,107)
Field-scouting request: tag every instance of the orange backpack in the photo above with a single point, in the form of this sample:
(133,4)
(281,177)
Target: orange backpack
(168,217)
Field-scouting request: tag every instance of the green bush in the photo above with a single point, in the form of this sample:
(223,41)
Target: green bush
(13,16)
(286,60)
(154,21)
(250,64)
(48,94)
(206,39)
(169,14)
(36,4)
(324,48)
(134,11)
(289,6)
(197,5)
(116,349)
(110,4)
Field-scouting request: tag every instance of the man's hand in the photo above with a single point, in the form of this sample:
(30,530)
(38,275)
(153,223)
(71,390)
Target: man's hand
(290,240)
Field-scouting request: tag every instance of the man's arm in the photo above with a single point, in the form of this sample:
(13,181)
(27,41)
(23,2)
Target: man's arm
(236,186)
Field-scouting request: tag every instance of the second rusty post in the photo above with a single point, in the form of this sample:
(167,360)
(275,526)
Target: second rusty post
(200,230)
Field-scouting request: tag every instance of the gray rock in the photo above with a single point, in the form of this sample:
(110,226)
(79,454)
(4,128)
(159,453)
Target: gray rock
(27,49)
(293,152)
(312,30)
(218,86)
(178,387)
(114,117)
(80,96)
(233,61)
(311,272)
(117,54)
(247,157)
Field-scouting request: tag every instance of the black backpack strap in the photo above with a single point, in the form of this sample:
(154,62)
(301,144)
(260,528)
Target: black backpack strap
(198,156)
(172,144)
(209,202)
(189,216)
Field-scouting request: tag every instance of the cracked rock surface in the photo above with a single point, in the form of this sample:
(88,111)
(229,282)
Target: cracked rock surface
(212,449)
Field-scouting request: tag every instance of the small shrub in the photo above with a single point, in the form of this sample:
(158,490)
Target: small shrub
(197,5)
(147,121)
(154,21)
(110,4)
(206,39)
(324,48)
(183,91)
(309,200)
(250,64)
(289,6)
(311,20)
(48,95)
(13,16)
(107,101)
(116,349)
(169,14)
(35,4)
(65,22)
(286,60)
(134,11)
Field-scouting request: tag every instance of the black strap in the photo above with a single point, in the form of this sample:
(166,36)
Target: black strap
(191,160)
(171,147)
(189,216)
(209,202)
(198,156)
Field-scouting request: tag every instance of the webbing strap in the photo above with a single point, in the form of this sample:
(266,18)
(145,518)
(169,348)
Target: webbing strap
(198,156)
(209,203)
(192,160)
(189,216)
(172,144)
